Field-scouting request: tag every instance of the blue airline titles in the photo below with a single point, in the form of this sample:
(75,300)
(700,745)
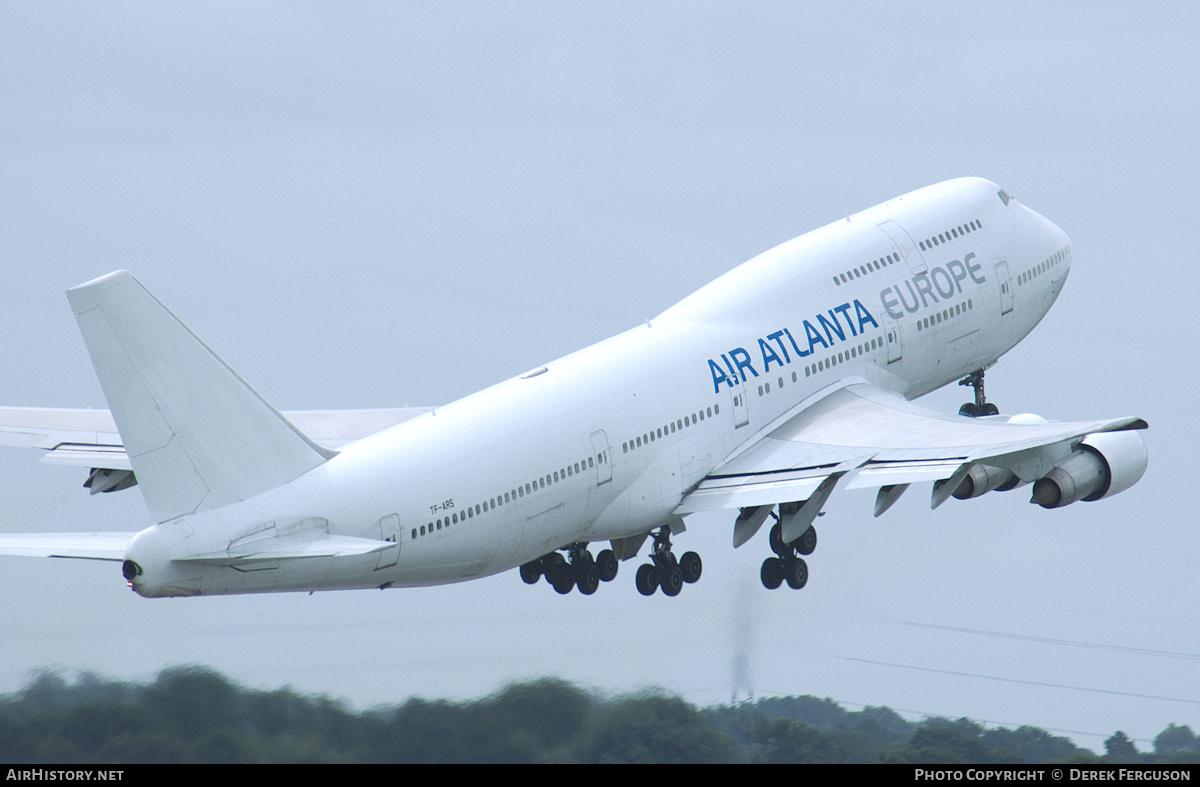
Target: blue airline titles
(946,280)
(832,326)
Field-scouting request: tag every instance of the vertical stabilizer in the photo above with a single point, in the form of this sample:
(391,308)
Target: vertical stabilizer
(197,435)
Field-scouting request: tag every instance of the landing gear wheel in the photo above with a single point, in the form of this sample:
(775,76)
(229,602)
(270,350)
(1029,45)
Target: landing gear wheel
(772,573)
(646,579)
(671,581)
(531,572)
(606,564)
(981,406)
(561,577)
(795,571)
(588,579)
(549,562)
(691,567)
(807,541)
(778,545)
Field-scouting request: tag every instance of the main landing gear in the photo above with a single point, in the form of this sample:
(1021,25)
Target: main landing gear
(787,565)
(980,407)
(664,571)
(581,570)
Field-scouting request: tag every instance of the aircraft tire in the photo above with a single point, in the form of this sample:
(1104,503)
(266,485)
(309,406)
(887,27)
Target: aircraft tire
(548,565)
(989,409)
(691,566)
(671,581)
(588,579)
(807,542)
(531,572)
(562,578)
(796,573)
(646,579)
(606,563)
(777,545)
(969,410)
(771,573)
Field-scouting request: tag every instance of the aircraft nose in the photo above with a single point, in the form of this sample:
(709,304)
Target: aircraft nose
(1054,232)
(1061,246)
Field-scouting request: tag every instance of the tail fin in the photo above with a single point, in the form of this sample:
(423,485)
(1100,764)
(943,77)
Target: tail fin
(197,435)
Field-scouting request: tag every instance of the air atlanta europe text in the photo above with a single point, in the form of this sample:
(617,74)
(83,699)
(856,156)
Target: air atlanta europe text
(946,281)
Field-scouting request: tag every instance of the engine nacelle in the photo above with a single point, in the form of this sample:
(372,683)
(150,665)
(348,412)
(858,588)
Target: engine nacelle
(1104,464)
(984,478)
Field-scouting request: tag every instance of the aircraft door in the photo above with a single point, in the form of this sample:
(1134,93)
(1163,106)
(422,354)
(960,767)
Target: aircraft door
(895,347)
(908,250)
(389,530)
(603,457)
(741,408)
(1006,287)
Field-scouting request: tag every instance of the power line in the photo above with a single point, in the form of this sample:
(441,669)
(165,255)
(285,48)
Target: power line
(1065,642)
(1024,682)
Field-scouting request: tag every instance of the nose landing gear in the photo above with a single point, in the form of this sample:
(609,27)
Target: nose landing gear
(980,407)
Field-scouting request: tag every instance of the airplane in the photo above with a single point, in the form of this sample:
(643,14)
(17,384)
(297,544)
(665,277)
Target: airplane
(782,381)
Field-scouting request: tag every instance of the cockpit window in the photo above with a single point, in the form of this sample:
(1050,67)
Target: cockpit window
(1003,196)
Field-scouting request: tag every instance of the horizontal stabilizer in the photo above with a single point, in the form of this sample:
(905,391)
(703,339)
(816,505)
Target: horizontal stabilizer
(86,546)
(89,438)
(197,435)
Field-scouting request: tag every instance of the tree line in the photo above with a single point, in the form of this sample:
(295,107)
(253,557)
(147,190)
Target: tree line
(197,715)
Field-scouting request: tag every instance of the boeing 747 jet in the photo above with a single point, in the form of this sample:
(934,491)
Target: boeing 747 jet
(788,378)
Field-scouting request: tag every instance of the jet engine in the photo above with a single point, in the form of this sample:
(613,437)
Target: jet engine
(984,478)
(1104,464)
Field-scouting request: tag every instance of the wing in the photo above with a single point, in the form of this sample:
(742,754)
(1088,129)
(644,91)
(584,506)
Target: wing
(89,438)
(859,436)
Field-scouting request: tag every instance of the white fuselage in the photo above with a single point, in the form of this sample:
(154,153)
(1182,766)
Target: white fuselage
(604,443)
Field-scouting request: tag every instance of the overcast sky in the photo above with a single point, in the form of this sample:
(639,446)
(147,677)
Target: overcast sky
(372,205)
